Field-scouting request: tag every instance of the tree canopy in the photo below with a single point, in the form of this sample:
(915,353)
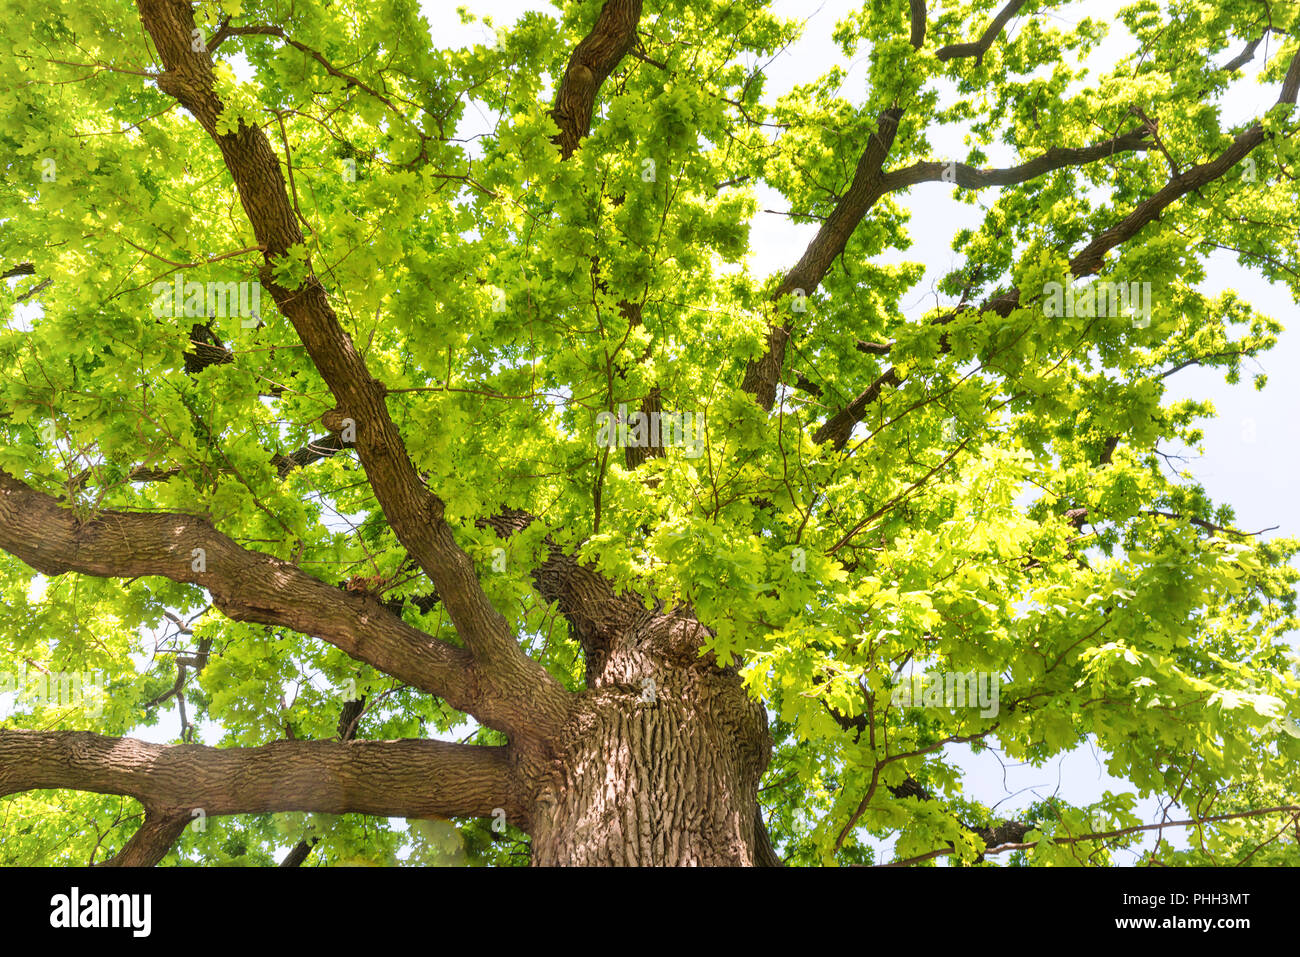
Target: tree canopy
(338,420)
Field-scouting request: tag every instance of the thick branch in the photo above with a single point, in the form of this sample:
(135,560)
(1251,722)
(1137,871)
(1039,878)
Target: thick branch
(834,234)
(414,512)
(1245,56)
(414,779)
(152,841)
(977,48)
(839,427)
(298,853)
(765,854)
(1248,54)
(999,832)
(869,184)
(315,450)
(918,23)
(244,584)
(599,615)
(611,38)
(762,374)
(208,350)
(1091,258)
(593,60)
(584,596)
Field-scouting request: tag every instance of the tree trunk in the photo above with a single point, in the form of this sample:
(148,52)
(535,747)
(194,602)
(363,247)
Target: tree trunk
(659,765)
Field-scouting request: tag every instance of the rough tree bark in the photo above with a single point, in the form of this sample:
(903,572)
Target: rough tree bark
(661,758)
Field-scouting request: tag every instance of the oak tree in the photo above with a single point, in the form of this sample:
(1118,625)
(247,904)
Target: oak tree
(409,421)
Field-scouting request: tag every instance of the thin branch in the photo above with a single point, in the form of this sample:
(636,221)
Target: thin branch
(968,177)
(1208,526)
(1105,835)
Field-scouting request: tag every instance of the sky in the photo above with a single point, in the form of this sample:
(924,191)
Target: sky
(1249,455)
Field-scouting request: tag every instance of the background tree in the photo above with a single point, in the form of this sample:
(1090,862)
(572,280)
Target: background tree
(330,531)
